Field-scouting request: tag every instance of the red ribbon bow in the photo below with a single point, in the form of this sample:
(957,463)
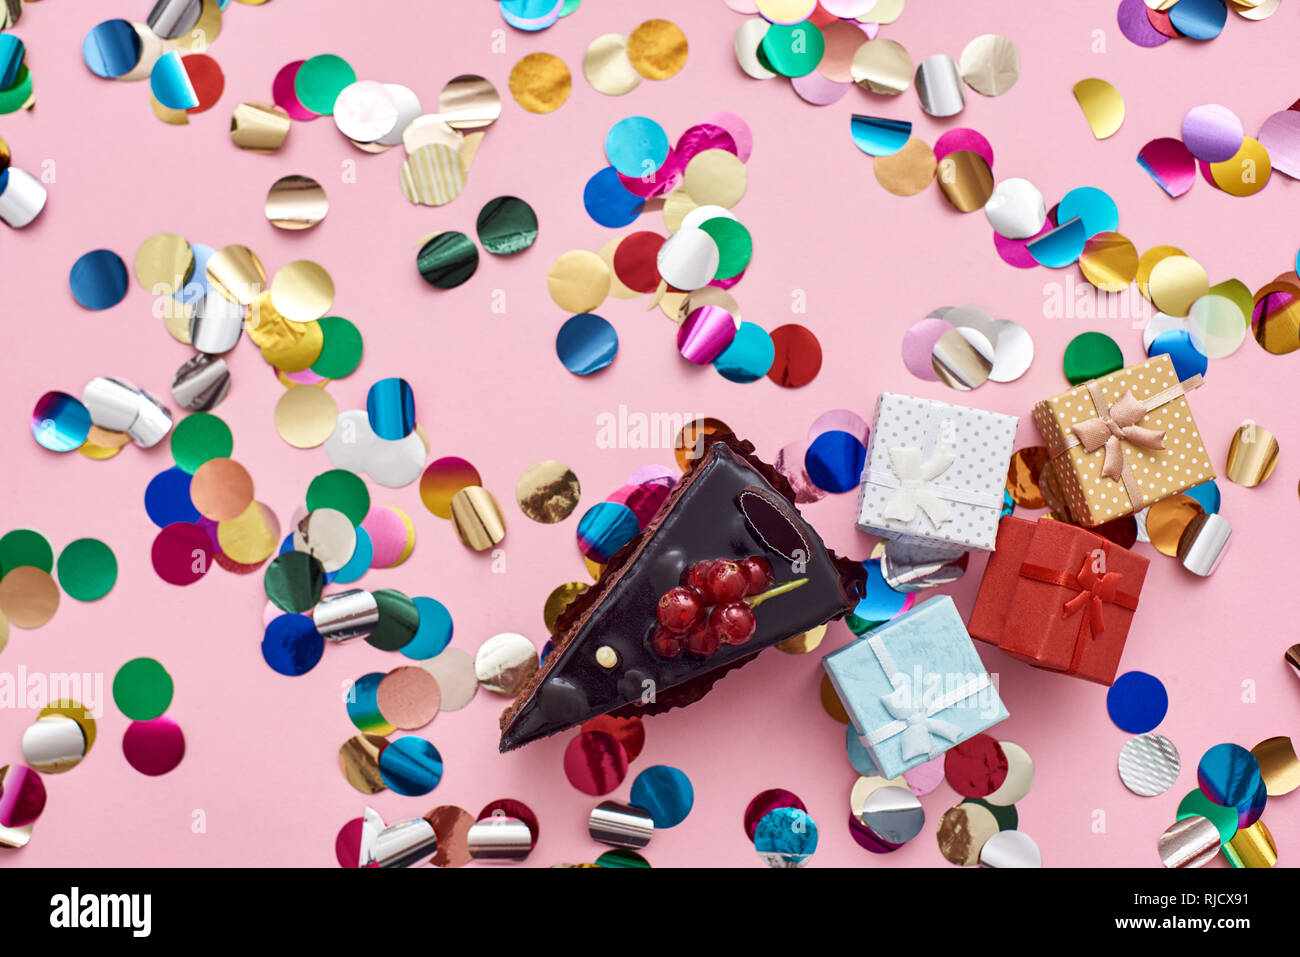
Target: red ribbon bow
(1094,590)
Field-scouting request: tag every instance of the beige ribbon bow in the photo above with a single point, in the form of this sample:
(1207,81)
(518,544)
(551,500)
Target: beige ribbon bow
(1119,422)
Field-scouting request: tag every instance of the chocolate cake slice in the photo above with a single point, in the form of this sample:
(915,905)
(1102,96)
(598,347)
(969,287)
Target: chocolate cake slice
(665,621)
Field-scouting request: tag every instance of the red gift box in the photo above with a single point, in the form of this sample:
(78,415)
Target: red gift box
(1059,597)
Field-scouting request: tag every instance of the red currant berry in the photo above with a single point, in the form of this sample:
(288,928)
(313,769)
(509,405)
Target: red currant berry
(680,609)
(696,574)
(725,581)
(759,571)
(703,640)
(666,644)
(734,623)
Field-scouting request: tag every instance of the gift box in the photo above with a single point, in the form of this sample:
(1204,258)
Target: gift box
(1126,440)
(1059,597)
(915,687)
(935,473)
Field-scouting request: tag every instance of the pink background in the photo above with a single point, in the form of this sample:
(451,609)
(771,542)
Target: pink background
(261,759)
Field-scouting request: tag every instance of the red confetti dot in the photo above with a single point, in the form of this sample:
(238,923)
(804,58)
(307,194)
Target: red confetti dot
(629,731)
(976,767)
(207,79)
(595,762)
(347,846)
(798,356)
(154,747)
(636,261)
(182,553)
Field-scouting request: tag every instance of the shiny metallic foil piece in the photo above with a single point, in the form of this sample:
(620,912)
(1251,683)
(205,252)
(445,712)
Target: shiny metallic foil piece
(1252,455)
(620,825)
(170,19)
(1251,847)
(235,272)
(113,404)
(548,492)
(403,844)
(477,518)
(1109,261)
(657,49)
(1278,765)
(216,324)
(296,202)
(201,383)
(1275,317)
(990,64)
(939,87)
(804,642)
(457,682)
(560,599)
(1023,476)
(359,762)
(882,66)
(54,744)
(1102,106)
(1204,542)
(1191,842)
(911,568)
(500,839)
(1010,849)
(469,102)
(452,825)
(607,67)
(966,180)
(346,615)
(963,831)
(894,814)
(504,663)
(1149,764)
(1168,519)
(259,127)
(164,263)
(962,359)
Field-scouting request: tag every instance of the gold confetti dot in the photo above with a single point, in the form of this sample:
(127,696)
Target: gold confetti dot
(715,178)
(657,49)
(578,281)
(908,171)
(302,291)
(1109,261)
(306,416)
(540,83)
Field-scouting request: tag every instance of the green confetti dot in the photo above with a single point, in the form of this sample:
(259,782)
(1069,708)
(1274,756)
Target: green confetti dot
(735,245)
(621,858)
(570,6)
(199,438)
(19,92)
(793,50)
(320,81)
(340,353)
(1224,818)
(87,569)
(142,689)
(294,581)
(399,620)
(23,546)
(342,490)
(1091,355)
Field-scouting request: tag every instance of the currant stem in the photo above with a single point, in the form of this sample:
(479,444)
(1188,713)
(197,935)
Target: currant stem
(757,600)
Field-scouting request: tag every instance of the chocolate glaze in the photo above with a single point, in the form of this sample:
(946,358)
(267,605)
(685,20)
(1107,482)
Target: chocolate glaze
(702,519)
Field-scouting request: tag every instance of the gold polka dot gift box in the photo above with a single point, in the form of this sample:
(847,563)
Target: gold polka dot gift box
(1124,441)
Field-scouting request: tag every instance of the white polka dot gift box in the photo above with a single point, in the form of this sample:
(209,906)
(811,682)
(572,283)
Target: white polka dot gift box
(935,473)
(1124,441)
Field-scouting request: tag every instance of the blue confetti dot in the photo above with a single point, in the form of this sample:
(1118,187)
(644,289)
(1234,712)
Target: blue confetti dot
(834,461)
(749,357)
(1229,775)
(787,834)
(434,633)
(1207,493)
(410,766)
(586,343)
(1137,702)
(98,279)
(356,566)
(291,645)
(1183,352)
(608,202)
(167,498)
(636,146)
(664,793)
(1095,207)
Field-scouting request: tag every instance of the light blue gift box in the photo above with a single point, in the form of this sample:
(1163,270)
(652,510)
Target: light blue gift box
(915,686)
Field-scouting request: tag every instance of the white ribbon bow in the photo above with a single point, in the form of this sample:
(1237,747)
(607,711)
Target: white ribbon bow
(917,736)
(913,473)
